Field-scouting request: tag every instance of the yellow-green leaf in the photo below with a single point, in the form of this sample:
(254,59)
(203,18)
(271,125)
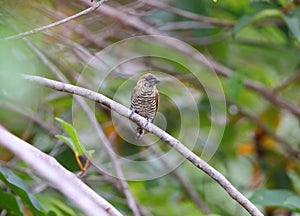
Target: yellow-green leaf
(73,140)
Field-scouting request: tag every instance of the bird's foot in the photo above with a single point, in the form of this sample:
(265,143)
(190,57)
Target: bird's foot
(148,121)
(132,112)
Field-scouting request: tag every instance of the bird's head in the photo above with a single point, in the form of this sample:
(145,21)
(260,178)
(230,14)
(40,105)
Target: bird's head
(149,80)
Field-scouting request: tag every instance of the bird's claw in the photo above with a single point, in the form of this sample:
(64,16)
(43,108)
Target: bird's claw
(148,121)
(132,112)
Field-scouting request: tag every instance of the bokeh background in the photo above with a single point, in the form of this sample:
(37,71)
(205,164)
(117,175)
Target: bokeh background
(251,46)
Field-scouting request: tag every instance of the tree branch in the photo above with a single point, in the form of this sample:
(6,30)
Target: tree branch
(63,180)
(62,21)
(288,151)
(221,70)
(285,83)
(119,172)
(133,205)
(187,14)
(32,117)
(171,141)
(184,182)
(131,21)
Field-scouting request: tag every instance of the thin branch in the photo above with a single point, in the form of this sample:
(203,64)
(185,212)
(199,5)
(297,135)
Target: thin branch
(131,21)
(219,69)
(182,25)
(133,205)
(187,14)
(287,82)
(272,97)
(81,29)
(63,180)
(48,128)
(171,141)
(124,186)
(62,21)
(184,182)
(288,150)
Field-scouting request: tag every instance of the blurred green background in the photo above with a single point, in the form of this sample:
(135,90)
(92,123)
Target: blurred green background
(259,151)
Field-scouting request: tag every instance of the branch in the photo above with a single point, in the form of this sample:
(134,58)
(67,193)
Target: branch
(31,116)
(184,182)
(187,14)
(131,21)
(288,151)
(63,180)
(133,205)
(62,21)
(285,83)
(219,69)
(171,141)
(107,145)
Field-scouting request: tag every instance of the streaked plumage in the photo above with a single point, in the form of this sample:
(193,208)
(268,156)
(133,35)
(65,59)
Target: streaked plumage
(145,98)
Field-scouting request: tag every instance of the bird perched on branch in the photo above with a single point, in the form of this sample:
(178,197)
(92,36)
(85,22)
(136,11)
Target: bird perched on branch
(144,99)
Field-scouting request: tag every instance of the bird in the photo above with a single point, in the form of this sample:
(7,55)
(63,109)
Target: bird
(145,99)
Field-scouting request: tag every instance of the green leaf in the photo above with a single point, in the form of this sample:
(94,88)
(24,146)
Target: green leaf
(295,202)
(11,204)
(277,198)
(19,187)
(235,84)
(254,17)
(67,140)
(73,140)
(292,19)
(55,206)
(61,207)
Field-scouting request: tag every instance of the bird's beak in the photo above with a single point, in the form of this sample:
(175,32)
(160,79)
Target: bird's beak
(155,81)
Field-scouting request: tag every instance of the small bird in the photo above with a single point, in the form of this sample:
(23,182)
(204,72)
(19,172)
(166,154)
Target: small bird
(144,99)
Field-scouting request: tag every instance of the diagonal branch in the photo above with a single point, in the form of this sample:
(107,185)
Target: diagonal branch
(288,151)
(120,175)
(29,115)
(184,182)
(171,141)
(133,205)
(221,70)
(187,14)
(60,178)
(62,21)
(285,83)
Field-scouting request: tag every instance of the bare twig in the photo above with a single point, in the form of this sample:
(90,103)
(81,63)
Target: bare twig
(287,82)
(273,98)
(182,25)
(33,31)
(60,178)
(171,141)
(124,186)
(48,128)
(221,70)
(190,15)
(184,182)
(81,29)
(131,21)
(288,150)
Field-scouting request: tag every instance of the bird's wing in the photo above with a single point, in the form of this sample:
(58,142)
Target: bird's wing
(133,93)
(156,99)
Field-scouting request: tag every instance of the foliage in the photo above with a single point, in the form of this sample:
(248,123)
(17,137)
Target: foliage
(73,140)
(19,187)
